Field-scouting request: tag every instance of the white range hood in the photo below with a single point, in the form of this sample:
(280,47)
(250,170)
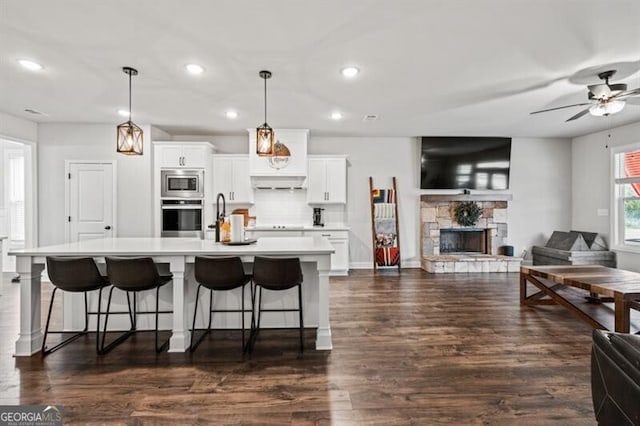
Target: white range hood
(287,168)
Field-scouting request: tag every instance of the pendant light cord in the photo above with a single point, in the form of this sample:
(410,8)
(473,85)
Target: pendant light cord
(129,95)
(265,100)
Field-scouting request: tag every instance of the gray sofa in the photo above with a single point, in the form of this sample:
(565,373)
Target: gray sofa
(574,248)
(615,378)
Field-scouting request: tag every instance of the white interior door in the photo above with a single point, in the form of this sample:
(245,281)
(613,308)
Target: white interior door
(91,200)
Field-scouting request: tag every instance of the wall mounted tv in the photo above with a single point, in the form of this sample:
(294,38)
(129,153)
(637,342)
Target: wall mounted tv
(465,163)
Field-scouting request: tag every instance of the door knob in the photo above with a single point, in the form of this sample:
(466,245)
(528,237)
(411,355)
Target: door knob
(108,227)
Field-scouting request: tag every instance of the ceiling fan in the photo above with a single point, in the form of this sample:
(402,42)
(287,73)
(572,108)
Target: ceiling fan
(604,98)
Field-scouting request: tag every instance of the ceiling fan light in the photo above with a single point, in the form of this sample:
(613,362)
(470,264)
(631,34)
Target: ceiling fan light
(606,108)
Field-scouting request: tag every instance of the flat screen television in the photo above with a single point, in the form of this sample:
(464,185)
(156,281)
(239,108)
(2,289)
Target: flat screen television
(465,163)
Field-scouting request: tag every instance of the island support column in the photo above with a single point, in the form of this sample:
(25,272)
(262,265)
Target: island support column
(30,337)
(180,338)
(323,335)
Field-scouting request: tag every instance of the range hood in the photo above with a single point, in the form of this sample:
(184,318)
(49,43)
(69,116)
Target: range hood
(287,168)
(279,182)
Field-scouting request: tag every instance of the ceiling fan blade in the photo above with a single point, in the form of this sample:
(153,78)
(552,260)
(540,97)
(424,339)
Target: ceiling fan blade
(632,101)
(562,107)
(632,92)
(578,115)
(600,90)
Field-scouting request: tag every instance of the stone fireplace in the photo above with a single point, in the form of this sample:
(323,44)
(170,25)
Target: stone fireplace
(446,246)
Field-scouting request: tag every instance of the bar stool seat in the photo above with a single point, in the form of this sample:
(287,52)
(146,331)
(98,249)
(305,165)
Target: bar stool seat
(134,275)
(75,275)
(277,274)
(220,274)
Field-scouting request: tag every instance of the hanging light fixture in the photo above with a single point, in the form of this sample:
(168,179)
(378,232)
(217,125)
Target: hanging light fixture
(129,135)
(264,135)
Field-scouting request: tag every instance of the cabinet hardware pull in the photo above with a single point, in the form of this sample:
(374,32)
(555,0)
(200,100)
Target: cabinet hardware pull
(326,235)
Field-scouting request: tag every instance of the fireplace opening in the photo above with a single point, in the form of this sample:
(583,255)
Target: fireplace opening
(464,240)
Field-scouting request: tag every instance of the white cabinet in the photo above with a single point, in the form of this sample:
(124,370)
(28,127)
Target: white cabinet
(340,242)
(339,239)
(177,155)
(231,178)
(327,180)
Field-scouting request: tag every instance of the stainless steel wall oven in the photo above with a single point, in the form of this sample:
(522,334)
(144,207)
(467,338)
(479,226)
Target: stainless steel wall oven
(181,218)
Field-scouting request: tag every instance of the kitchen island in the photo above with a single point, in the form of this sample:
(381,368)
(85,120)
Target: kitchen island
(179,255)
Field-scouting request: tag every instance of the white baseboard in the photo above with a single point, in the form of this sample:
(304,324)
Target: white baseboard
(406,264)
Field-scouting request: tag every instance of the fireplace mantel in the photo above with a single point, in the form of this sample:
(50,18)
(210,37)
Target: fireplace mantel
(435,198)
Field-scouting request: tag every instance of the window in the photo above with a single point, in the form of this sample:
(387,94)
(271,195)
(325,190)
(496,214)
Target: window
(626,197)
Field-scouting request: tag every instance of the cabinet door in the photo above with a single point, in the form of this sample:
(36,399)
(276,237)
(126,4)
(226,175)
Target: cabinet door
(170,156)
(316,181)
(241,182)
(340,259)
(194,156)
(222,183)
(336,180)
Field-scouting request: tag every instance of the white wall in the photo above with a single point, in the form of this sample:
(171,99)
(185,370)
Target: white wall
(18,128)
(540,182)
(60,142)
(591,183)
(381,158)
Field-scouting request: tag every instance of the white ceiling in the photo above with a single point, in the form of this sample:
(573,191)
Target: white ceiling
(428,67)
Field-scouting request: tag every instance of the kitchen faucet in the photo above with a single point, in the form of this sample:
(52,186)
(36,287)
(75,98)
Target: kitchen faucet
(219,215)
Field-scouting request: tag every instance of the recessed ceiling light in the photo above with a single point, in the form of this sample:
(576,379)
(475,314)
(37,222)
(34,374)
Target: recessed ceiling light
(123,112)
(336,116)
(194,69)
(30,65)
(349,72)
(231,114)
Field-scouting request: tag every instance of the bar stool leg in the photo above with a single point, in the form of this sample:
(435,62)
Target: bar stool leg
(193,328)
(86,313)
(46,328)
(166,342)
(98,321)
(242,313)
(301,320)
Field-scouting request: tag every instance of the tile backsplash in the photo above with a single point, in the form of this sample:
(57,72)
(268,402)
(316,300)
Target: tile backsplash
(289,207)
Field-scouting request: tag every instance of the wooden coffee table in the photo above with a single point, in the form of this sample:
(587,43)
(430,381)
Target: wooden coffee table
(616,285)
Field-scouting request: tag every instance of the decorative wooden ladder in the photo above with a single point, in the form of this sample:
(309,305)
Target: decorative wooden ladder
(385,229)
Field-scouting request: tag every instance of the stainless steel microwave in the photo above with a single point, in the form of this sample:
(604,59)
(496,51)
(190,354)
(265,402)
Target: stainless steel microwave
(182,183)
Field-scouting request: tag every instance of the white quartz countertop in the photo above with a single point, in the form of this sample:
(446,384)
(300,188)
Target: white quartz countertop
(294,246)
(327,227)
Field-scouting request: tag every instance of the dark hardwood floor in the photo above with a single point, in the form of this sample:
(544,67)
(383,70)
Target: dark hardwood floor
(413,348)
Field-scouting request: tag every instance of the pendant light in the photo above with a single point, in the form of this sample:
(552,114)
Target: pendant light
(129,135)
(264,135)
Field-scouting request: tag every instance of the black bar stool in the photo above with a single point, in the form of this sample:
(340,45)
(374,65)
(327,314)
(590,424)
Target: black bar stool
(277,274)
(220,274)
(77,275)
(133,275)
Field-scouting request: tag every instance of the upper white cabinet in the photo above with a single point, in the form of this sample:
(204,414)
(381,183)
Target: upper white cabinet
(327,180)
(177,155)
(231,178)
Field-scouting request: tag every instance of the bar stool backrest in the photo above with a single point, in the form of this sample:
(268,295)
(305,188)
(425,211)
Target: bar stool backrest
(132,273)
(74,273)
(277,273)
(219,273)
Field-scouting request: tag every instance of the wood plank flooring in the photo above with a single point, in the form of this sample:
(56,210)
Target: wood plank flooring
(409,348)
